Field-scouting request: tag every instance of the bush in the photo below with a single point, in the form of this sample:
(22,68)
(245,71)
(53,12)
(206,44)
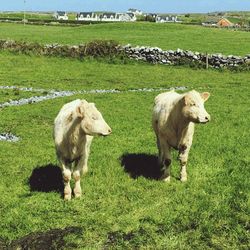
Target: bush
(102,48)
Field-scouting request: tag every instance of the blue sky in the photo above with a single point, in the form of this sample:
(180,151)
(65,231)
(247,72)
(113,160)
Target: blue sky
(164,6)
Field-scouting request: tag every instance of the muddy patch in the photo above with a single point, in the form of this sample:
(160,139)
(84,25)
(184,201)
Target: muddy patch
(50,240)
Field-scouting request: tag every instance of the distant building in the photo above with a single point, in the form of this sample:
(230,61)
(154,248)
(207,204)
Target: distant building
(153,15)
(117,17)
(166,19)
(218,22)
(209,23)
(223,22)
(87,16)
(135,12)
(131,16)
(108,16)
(60,15)
(150,17)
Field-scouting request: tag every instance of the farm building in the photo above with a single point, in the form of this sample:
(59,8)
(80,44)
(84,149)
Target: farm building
(87,16)
(135,12)
(60,15)
(108,16)
(223,22)
(166,19)
(117,17)
(210,22)
(130,16)
(218,22)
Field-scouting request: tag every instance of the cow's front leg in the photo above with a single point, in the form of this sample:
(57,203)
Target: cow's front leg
(81,168)
(77,188)
(66,172)
(183,157)
(164,159)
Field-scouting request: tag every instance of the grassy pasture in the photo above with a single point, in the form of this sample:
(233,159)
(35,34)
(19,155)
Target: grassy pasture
(165,36)
(117,211)
(209,211)
(27,15)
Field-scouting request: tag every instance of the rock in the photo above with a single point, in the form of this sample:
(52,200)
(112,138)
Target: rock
(179,51)
(8,137)
(247,61)
(190,53)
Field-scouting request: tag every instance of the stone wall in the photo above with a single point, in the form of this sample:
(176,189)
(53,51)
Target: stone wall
(153,55)
(170,57)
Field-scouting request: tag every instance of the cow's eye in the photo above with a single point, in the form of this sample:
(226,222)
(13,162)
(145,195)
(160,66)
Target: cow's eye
(193,104)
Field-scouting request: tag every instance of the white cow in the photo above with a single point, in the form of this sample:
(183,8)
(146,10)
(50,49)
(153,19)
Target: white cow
(74,128)
(174,116)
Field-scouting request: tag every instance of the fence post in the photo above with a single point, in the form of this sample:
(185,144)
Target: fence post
(206,60)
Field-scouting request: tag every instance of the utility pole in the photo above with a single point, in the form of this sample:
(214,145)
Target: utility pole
(24,14)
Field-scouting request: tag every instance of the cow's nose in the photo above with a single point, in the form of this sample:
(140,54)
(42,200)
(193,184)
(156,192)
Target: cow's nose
(110,130)
(207,118)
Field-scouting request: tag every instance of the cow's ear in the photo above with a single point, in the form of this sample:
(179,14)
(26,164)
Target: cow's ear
(81,108)
(205,96)
(80,111)
(187,99)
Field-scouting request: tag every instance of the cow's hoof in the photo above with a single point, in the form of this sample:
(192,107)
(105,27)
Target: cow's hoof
(166,179)
(77,192)
(67,197)
(183,179)
(78,195)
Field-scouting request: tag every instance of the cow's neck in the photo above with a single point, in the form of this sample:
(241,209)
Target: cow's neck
(182,126)
(73,126)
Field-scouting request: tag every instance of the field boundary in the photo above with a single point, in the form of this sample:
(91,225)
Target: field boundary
(52,94)
(110,49)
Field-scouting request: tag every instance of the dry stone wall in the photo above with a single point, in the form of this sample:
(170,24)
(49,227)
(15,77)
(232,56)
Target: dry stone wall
(170,57)
(153,55)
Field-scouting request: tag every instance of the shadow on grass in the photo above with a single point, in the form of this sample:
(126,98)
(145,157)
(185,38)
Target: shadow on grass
(53,239)
(141,165)
(46,178)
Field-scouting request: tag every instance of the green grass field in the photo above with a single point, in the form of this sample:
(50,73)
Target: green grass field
(122,207)
(27,15)
(165,36)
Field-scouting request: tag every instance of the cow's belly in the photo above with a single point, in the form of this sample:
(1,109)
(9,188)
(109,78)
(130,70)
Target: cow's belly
(171,138)
(77,152)
(173,142)
(70,153)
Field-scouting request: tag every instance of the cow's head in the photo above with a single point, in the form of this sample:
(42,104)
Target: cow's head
(193,109)
(92,122)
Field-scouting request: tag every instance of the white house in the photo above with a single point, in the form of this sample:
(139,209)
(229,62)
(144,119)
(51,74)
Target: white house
(166,19)
(108,17)
(135,12)
(117,17)
(60,15)
(131,15)
(87,16)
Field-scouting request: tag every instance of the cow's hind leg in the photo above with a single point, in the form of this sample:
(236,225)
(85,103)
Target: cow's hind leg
(164,159)
(66,172)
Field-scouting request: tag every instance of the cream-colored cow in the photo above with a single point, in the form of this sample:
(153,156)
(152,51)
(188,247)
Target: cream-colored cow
(174,117)
(74,128)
